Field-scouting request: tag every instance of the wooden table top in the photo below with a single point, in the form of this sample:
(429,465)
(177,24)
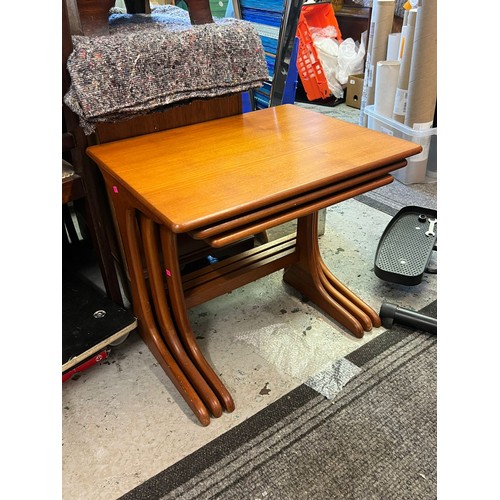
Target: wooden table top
(203,173)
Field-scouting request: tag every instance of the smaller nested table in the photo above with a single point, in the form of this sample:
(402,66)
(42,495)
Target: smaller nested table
(221,181)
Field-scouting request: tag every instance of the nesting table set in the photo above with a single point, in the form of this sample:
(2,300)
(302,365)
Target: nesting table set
(221,181)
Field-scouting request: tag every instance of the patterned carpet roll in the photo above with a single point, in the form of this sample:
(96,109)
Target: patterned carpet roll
(151,61)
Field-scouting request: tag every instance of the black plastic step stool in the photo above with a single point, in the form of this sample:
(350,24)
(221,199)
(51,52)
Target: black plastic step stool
(406,246)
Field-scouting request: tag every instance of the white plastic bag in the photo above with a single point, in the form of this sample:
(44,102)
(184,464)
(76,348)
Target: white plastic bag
(328,50)
(339,60)
(351,58)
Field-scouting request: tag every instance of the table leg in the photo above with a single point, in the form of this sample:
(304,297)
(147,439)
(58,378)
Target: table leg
(146,322)
(311,277)
(350,297)
(176,294)
(164,319)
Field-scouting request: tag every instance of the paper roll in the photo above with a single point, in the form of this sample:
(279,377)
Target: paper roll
(422,85)
(405,17)
(402,38)
(393,43)
(380,29)
(385,87)
(401,97)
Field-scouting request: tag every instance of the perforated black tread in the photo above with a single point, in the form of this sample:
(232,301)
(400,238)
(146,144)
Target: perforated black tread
(404,250)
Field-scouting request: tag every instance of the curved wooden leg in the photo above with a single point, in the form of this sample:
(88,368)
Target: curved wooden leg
(167,327)
(351,296)
(179,309)
(312,278)
(363,318)
(146,322)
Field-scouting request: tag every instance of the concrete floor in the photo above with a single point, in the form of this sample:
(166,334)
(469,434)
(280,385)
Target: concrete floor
(123,421)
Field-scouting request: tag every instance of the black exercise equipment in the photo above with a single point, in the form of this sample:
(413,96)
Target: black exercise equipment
(403,256)
(406,246)
(391,313)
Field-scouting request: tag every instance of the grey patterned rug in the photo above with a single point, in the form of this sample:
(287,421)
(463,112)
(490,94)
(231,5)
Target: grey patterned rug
(374,439)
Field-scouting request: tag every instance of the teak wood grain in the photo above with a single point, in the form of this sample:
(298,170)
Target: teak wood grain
(193,176)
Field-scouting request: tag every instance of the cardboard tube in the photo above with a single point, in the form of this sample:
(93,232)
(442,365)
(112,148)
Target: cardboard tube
(422,85)
(402,38)
(405,17)
(401,98)
(393,43)
(380,29)
(385,87)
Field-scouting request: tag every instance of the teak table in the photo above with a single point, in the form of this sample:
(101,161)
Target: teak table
(221,181)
